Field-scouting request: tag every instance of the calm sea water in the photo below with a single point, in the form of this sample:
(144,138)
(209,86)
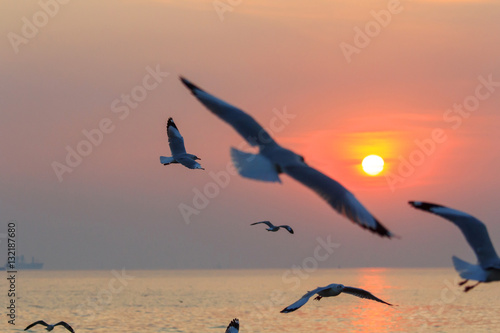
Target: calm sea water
(205,301)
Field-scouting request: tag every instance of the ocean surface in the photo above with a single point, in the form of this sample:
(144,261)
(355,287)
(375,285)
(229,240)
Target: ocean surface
(428,300)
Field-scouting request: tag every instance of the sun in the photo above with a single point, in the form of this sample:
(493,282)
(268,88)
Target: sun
(373,164)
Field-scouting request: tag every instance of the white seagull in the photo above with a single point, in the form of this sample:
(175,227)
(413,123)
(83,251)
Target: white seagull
(273,159)
(50,327)
(272,227)
(234,326)
(329,291)
(179,155)
(476,234)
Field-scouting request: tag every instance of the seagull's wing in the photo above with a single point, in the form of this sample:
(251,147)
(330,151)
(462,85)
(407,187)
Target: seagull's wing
(69,328)
(290,230)
(175,139)
(269,224)
(474,231)
(303,300)
(41,322)
(243,123)
(363,294)
(189,163)
(337,196)
(233,326)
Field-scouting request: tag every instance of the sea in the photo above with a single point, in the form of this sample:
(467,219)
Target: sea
(425,300)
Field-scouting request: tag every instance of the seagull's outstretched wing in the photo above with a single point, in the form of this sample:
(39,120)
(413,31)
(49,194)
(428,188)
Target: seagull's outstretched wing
(269,224)
(363,294)
(175,139)
(41,322)
(243,123)
(189,163)
(234,326)
(62,323)
(474,231)
(303,300)
(337,196)
(290,230)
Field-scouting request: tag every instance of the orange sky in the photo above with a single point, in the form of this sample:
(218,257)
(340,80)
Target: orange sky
(71,72)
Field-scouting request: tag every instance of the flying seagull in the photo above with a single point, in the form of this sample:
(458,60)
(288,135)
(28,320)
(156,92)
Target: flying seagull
(233,326)
(273,227)
(476,234)
(50,327)
(331,290)
(273,159)
(176,143)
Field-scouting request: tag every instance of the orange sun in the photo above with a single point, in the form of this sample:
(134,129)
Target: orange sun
(373,164)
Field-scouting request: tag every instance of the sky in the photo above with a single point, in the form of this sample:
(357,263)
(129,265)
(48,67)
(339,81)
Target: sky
(86,88)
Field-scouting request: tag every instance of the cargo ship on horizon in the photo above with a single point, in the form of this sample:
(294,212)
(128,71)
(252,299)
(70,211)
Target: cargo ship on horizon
(21,264)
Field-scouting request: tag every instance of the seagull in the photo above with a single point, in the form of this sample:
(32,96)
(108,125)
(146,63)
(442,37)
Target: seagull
(273,159)
(476,234)
(233,326)
(179,155)
(331,290)
(50,327)
(273,227)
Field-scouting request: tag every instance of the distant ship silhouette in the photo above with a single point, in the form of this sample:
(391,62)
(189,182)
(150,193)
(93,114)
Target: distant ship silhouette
(21,264)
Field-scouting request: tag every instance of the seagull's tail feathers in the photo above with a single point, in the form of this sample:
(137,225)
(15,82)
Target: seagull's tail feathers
(254,166)
(166,160)
(469,271)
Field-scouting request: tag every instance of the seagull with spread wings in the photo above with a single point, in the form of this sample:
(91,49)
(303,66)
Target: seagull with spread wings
(476,234)
(273,159)
(50,327)
(273,227)
(329,291)
(179,155)
(234,326)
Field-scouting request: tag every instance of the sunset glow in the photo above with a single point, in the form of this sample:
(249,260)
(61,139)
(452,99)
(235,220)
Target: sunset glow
(331,117)
(87,89)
